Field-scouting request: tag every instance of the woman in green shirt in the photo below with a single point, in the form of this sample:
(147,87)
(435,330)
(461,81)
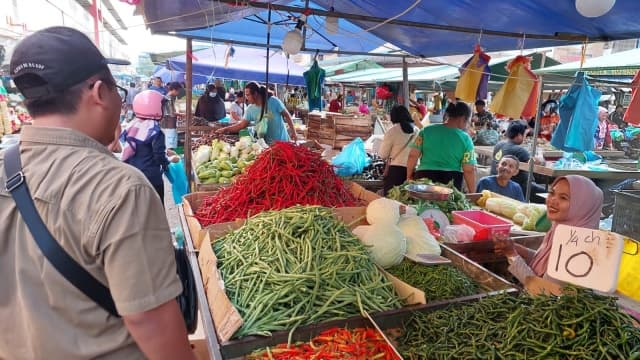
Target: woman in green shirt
(445,150)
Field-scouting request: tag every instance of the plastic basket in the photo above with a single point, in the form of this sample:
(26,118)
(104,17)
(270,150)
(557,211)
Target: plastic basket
(484,223)
(628,283)
(626,213)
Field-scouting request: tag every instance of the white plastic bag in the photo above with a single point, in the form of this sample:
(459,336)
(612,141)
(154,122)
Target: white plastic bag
(458,233)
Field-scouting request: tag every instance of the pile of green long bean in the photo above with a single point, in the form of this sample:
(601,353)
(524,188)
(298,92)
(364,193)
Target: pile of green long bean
(297,266)
(577,325)
(439,282)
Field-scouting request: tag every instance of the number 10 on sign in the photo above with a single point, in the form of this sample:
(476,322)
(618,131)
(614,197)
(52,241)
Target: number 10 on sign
(585,257)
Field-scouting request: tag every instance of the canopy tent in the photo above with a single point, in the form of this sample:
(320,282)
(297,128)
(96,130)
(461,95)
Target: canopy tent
(440,73)
(252,30)
(167,75)
(348,67)
(247,64)
(427,28)
(620,67)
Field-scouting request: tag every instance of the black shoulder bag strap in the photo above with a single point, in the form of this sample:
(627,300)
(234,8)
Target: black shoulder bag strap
(57,256)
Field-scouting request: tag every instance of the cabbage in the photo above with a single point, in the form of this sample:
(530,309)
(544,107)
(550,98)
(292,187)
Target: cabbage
(419,239)
(202,155)
(361,231)
(387,244)
(383,211)
(530,209)
(536,214)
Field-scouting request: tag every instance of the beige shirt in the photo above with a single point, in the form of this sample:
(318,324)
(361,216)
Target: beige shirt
(395,145)
(110,220)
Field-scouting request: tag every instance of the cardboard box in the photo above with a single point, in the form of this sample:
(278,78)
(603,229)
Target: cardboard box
(226,318)
(192,201)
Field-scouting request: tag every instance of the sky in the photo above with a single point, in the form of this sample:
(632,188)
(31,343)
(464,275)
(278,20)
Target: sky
(139,38)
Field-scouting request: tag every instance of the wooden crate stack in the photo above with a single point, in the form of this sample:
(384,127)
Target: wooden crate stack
(349,127)
(320,128)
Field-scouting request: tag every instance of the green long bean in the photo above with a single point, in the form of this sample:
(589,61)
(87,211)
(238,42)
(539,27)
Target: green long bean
(289,268)
(439,282)
(577,325)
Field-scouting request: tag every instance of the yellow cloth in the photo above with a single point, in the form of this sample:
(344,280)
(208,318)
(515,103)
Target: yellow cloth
(467,86)
(513,96)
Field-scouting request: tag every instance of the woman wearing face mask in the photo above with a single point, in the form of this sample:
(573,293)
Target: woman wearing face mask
(573,200)
(445,151)
(211,105)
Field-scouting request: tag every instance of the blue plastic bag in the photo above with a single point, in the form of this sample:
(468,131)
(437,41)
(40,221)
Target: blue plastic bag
(352,159)
(178,179)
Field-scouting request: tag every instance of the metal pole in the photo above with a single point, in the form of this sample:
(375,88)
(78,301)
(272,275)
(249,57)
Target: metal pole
(266,80)
(536,131)
(405,82)
(187,138)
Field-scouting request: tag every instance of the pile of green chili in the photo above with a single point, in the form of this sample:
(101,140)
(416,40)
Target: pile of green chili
(457,200)
(439,282)
(297,266)
(577,325)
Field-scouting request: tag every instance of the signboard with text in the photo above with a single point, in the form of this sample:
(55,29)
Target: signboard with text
(586,257)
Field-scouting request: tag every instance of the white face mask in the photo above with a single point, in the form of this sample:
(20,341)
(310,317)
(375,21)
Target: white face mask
(213,94)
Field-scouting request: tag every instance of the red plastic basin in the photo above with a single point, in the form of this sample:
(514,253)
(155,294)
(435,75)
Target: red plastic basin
(482,222)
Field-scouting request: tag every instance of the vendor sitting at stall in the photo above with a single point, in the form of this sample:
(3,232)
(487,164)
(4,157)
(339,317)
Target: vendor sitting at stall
(502,184)
(266,108)
(573,200)
(210,105)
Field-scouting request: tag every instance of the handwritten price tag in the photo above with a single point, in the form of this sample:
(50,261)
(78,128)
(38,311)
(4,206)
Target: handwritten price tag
(586,257)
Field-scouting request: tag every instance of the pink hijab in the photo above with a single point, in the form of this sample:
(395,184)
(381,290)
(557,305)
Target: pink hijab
(585,207)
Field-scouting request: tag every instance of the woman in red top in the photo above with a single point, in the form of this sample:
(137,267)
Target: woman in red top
(336,104)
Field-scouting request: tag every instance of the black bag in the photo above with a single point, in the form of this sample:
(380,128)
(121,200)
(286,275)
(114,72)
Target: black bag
(68,267)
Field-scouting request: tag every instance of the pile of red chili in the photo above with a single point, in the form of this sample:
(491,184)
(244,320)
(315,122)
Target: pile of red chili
(333,344)
(282,176)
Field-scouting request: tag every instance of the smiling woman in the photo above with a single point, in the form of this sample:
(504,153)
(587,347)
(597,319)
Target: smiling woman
(573,200)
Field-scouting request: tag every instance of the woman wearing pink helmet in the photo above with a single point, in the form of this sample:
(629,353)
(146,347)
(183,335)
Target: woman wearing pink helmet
(144,141)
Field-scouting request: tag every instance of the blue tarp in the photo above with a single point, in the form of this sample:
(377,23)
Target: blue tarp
(168,75)
(531,17)
(247,64)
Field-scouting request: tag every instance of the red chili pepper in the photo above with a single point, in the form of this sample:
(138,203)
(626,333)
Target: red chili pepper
(282,176)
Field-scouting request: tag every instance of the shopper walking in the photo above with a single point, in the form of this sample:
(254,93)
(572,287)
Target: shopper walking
(144,146)
(395,147)
(103,213)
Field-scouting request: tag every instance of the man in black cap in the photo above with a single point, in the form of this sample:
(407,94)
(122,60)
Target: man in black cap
(103,213)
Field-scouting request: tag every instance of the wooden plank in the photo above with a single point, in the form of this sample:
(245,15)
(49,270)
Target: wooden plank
(209,330)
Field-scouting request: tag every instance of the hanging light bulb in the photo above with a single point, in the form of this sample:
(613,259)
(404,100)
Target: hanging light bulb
(292,42)
(331,23)
(594,8)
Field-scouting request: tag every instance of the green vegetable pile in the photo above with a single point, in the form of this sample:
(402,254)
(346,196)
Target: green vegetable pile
(439,282)
(298,266)
(457,200)
(577,325)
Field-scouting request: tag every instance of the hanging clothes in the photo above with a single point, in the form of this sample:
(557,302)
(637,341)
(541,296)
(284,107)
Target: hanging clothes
(632,115)
(578,117)
(314,79)
(474,77)
(518,97)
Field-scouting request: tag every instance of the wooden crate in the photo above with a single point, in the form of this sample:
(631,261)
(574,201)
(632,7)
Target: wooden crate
(226,318)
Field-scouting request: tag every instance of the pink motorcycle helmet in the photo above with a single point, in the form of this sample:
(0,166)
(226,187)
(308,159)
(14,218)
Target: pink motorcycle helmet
(148,105)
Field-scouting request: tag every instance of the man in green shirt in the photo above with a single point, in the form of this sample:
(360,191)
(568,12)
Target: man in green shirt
(445,151)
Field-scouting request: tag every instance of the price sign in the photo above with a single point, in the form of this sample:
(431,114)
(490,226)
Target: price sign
(586,257)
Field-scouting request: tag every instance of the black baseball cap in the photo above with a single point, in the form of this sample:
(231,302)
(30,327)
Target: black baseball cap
(58,57)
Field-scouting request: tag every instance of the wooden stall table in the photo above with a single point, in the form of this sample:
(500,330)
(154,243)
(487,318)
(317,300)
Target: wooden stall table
(614,172)
(485,154)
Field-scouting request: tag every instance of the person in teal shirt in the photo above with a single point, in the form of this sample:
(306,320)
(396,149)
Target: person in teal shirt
(266,107)
(445,151)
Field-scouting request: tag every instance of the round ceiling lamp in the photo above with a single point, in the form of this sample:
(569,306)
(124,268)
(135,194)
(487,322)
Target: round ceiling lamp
(594,8)
(292,42)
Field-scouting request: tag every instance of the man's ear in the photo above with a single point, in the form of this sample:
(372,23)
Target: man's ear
(98,92)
